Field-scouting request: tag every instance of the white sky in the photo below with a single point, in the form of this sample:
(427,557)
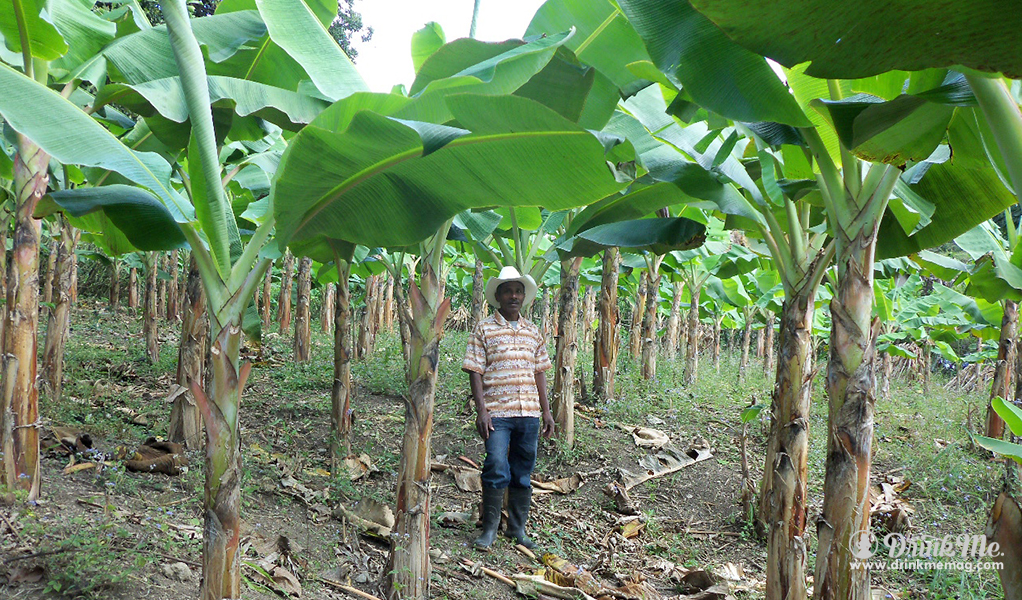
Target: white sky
(386,60)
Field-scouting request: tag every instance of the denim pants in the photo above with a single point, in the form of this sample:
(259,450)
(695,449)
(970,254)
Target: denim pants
(511,452)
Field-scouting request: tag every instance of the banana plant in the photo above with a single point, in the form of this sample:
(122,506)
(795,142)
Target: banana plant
(855,196)
(995,276)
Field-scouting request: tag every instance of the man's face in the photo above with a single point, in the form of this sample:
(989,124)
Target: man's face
(510,295)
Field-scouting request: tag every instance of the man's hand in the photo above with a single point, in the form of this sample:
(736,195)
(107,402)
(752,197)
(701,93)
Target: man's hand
(483,424)
(548,425)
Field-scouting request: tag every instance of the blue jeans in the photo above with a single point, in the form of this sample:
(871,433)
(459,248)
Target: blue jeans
(511,452)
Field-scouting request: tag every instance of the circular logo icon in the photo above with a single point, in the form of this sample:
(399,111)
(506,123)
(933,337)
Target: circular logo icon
(861,544)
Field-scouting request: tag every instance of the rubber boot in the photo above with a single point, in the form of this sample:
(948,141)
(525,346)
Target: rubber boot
(492,501)
(518,502)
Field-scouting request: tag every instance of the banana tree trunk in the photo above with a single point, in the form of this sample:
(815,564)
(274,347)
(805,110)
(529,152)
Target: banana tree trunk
(51,267)
(588,316)
(1002,369)
(303,316)
(649,326)
(115,285)
(768,346)
(340,396)
(19,414)
(478,295)
(267,292)
(326,315)
(746,338)
(221,563)
(133,288)
(716,342)
(388,305)
(638,313)
(692,344)
(152,343)
(760,342)
(851,391)
(284,298)
(161,286)
(1004,526)
(674,322)
(409,570)
(563,396)
(926,358)
(362,348)
(185,419)
(404,326)
(783,510)
(59,320)
(544,313)
(605,353)
(887,365)
(173,310)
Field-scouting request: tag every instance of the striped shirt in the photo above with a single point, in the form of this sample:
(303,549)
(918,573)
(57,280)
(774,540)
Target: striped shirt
(508,359)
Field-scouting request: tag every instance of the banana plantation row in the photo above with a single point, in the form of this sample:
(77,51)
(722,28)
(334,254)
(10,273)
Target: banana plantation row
(642,132)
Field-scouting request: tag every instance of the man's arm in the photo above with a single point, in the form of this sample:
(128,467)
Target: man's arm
(483,423)
(548,419)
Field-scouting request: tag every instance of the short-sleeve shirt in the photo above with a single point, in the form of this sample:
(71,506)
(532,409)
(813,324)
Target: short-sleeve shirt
(508,359)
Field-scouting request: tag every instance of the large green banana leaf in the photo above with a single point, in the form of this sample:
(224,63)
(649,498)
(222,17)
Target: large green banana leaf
(18,17)
(73,138)
(146,55)
(425,42)
(714,71)
(849,40)
(285,109)
(366,178)
(658,236)
(603,39)
(295,26)
(136,213)
(84,31)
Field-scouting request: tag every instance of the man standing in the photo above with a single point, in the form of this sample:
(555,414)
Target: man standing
(506,361)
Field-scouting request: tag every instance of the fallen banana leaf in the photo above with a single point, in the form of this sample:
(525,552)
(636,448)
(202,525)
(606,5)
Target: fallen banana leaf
(667,460)
(535,586)
(466,479)
(646,437)
(158,457)
(79,467)
(357,467)
(565,485)
(370,516)
(622,502)
(67,439)
(631,529)
(566,574)
(453,519)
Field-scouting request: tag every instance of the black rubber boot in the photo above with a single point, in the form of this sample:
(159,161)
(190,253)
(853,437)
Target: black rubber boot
(518,502)
(492,501)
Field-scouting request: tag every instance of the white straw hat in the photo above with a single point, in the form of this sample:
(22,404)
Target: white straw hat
(510,274)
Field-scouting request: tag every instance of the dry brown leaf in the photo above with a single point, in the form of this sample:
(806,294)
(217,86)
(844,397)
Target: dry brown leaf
(369,515)
(79,467)
(622,502)
(565,485)
(26,574)
(453,519)
(467,479)
(536,586)
(158,457)
(631,529)
(357,467)
(667,460)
